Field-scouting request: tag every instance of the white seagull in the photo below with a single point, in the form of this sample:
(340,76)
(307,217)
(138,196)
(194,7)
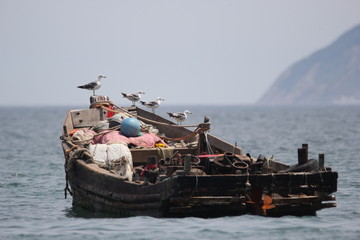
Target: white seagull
(95,85)
(134,97)
(179,117)
(153,104)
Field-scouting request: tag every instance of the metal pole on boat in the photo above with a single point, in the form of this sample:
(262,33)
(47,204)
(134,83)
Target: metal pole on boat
(303,154)
(321,161)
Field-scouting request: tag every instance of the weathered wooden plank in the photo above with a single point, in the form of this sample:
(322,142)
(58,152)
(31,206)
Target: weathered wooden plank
(98,201)
(86,117)
(68,125)
(224,146)
(263,180)
(119,196)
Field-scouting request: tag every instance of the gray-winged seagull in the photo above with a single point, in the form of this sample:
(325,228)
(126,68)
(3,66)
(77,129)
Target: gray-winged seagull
(153,104)
(179,117)
(95,85)
(134,97)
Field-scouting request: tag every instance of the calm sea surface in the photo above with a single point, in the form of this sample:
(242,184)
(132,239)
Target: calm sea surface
(32,204)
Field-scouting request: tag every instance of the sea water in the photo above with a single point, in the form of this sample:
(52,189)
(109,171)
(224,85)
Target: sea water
(32,180)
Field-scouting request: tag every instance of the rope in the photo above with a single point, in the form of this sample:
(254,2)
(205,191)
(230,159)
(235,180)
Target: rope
(196,180)
(210,151)
(268,165)
(101,103)
(78,152)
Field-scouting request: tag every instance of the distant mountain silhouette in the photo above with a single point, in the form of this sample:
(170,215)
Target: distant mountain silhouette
(329,76)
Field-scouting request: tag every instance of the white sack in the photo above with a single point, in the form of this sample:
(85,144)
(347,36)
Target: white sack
(116,155)
(99,152)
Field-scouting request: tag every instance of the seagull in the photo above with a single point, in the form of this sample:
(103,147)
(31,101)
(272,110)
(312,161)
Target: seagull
(179,117)
(93,85)
(153,104)
(134,97)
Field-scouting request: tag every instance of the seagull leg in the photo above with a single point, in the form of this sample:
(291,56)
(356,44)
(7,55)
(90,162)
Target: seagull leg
(93,92)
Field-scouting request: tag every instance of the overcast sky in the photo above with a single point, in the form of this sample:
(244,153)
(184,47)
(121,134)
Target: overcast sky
(186,51)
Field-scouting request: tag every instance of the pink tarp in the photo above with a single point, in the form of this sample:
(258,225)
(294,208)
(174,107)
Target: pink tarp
(146,140)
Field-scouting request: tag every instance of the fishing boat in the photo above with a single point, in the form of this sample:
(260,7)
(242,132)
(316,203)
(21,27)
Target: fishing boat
(162,169)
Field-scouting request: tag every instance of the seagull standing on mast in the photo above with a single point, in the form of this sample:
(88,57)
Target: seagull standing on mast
(95,85)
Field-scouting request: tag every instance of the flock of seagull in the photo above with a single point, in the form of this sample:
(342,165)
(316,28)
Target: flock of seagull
(135,97)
